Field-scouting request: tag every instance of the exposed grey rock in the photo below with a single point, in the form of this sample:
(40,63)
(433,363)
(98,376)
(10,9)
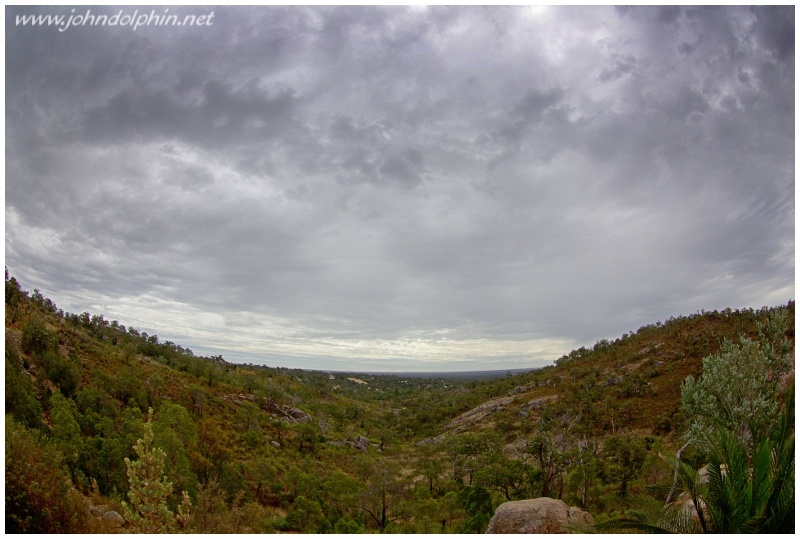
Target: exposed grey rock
(541,515)
(98,510)
(535,404)
(276,444)
(115,517)
(359,443)
(477,414)
(431,441)
(297,414)
(290,414)
(578,517)
(519,389)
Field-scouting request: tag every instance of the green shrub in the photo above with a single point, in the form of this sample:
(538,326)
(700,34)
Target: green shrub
(21,400)
(39,497)
(64,375)
(37,338)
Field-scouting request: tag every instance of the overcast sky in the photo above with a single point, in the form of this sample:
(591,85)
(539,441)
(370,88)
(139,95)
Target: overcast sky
(392,188)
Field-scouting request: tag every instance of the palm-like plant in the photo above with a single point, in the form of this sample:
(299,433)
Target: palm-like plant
(740,494)
(757,494)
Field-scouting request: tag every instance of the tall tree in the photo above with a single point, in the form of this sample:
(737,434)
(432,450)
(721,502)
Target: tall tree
(549,449)
(430,465)
(386,487)
(625,455)
(66,431)
(21,401)
(175,433)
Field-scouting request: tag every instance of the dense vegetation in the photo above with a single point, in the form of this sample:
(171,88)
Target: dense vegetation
(95,410)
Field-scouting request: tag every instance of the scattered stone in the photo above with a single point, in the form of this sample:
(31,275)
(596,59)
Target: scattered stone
(359,443)
(98,510)
(297,414)
(519,389)
(114,517)
(290,414)
(535,404)
(430,441)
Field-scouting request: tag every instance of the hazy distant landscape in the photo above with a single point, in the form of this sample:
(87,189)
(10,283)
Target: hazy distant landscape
(466,375)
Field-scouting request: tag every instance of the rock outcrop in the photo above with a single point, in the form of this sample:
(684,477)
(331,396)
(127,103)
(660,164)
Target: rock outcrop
(476,415)
(102,512)
(294,415)
(359,443)
(541,515)
(114,517)
(286,413)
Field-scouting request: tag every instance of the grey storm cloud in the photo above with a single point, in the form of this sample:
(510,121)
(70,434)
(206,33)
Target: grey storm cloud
(403,188)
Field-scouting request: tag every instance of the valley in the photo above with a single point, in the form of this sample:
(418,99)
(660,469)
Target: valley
(258,449)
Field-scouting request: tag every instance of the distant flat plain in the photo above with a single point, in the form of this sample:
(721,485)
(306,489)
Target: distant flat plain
(465,375)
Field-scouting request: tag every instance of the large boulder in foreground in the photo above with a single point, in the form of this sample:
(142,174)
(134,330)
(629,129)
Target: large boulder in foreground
(542,515)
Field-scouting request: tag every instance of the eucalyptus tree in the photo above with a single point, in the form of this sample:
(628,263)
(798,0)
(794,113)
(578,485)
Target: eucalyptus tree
(386,487)
(66,431)
(624,455)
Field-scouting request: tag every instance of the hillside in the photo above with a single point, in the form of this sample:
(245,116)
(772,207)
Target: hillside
(267,449)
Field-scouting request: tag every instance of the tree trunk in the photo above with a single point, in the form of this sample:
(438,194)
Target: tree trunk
(383,511)
(677,470)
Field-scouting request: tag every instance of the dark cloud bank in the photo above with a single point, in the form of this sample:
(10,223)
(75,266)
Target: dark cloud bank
(402,188)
